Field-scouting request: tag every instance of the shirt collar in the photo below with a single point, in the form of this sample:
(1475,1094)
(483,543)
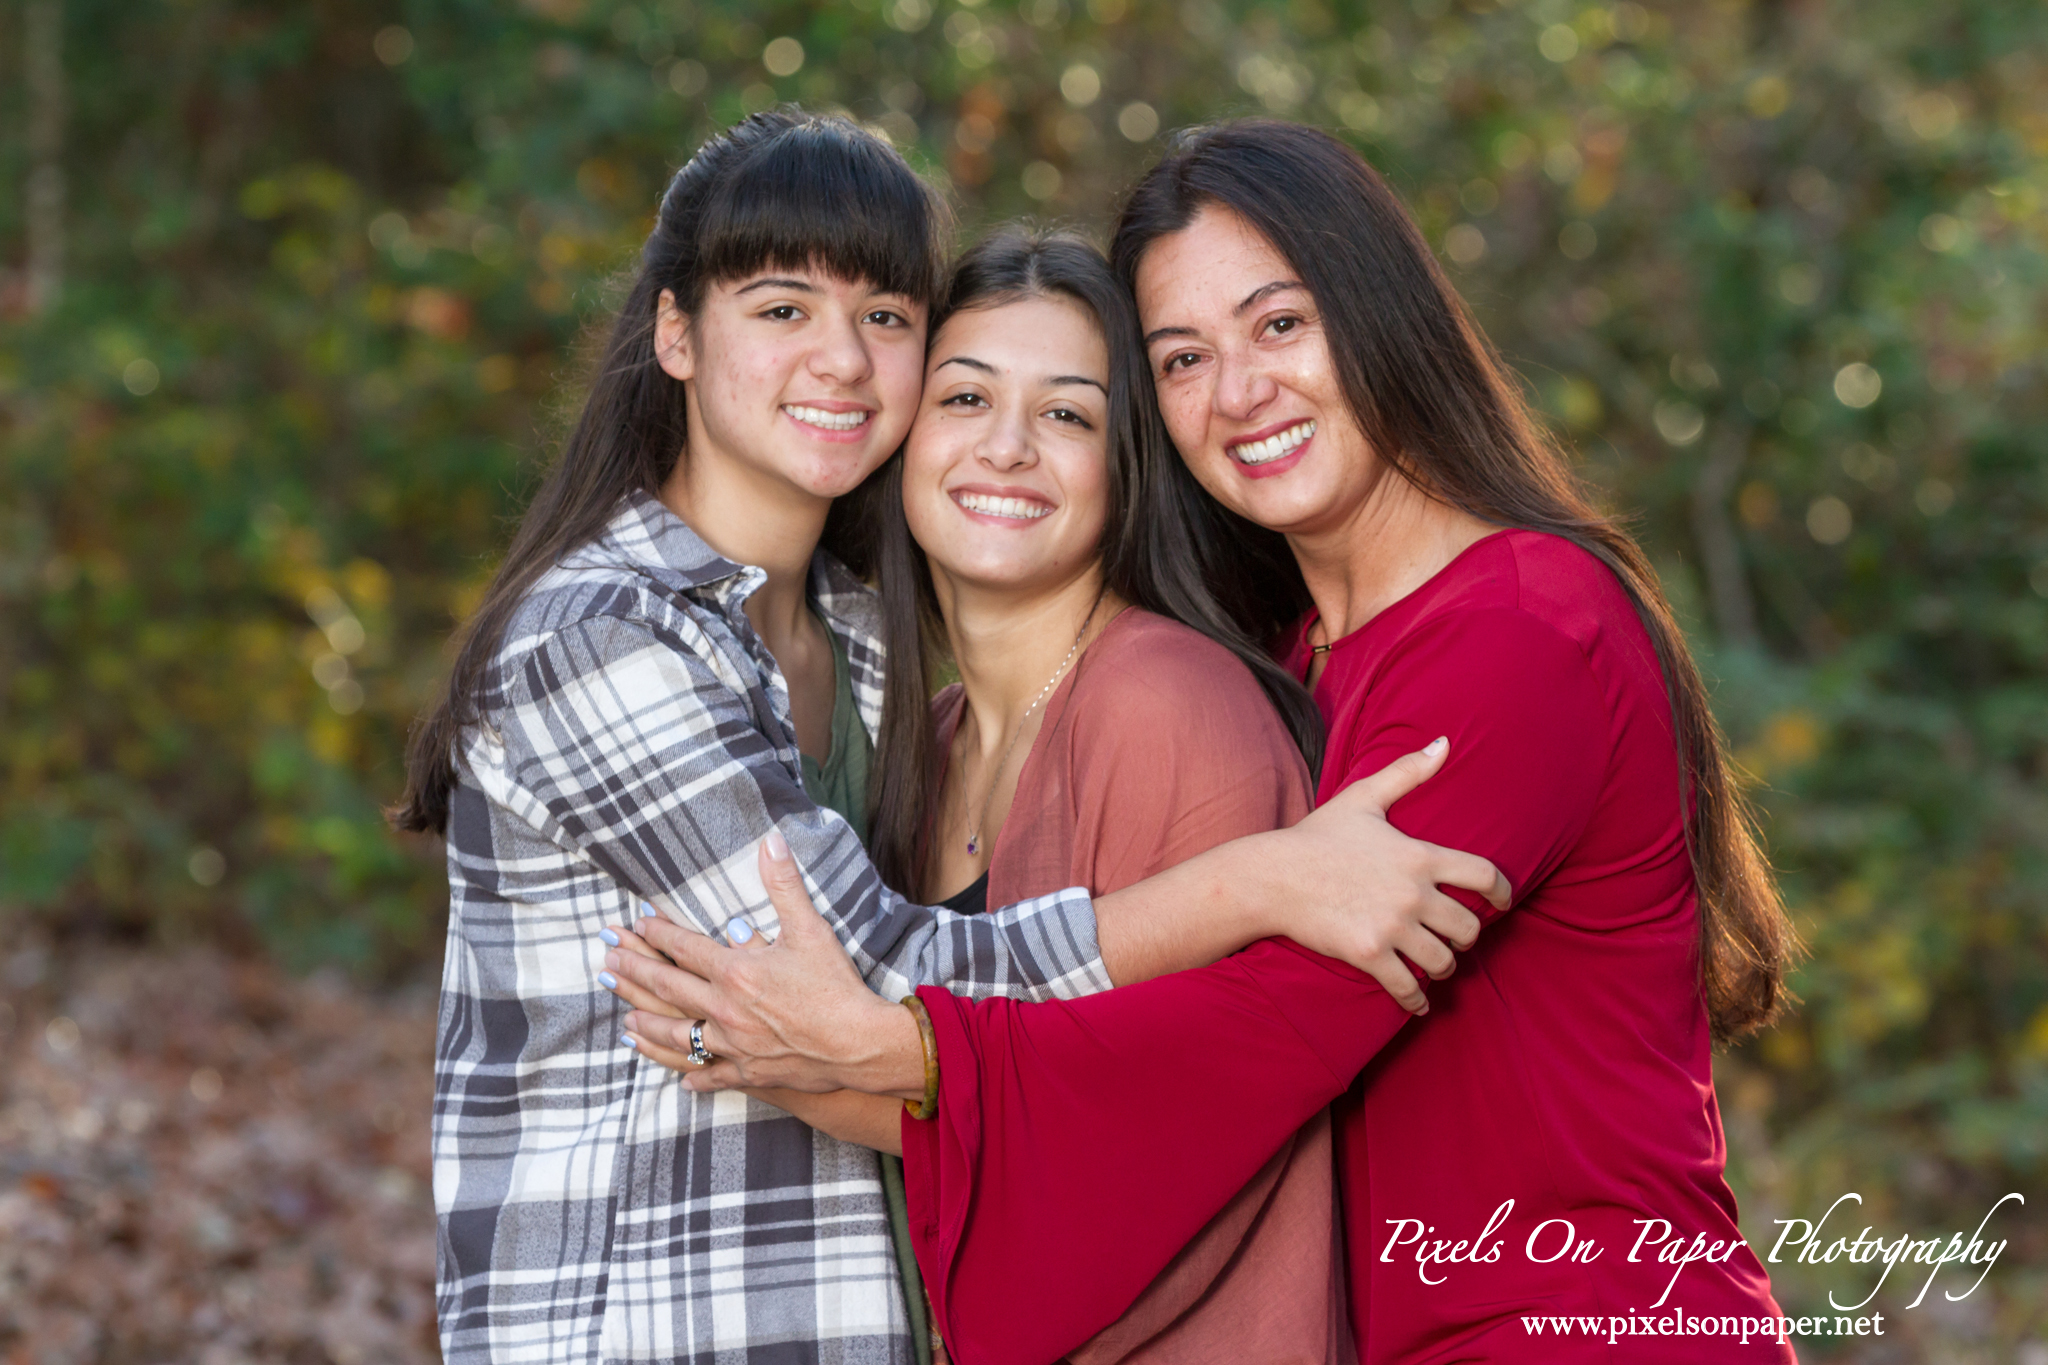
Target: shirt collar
(646,535)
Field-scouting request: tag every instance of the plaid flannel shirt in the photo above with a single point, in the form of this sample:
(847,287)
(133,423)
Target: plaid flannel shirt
(635,744)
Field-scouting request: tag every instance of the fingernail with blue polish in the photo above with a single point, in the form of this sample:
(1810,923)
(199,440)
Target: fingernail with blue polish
(646,909)
(739,931)
(626,1040)
(608,981)
(611,940)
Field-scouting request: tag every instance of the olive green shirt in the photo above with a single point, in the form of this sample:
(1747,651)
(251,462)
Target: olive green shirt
(840,783)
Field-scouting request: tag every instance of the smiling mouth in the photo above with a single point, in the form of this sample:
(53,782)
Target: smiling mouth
(830,421)
(1017,509)
(1277,446)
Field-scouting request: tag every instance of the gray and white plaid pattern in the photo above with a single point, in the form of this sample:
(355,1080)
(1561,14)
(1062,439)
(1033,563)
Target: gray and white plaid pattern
(635,745)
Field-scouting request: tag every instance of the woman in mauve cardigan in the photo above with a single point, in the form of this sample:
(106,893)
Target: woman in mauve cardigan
(1534,1171)
(1158,737)
(1111,721)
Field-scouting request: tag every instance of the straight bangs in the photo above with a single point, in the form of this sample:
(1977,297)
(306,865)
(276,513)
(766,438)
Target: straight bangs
(828,195)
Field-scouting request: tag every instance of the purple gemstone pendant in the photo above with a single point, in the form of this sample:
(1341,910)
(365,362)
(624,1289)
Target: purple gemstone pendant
(973,846)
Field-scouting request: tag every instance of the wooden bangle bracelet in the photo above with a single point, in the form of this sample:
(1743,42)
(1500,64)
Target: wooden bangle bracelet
(930,1042)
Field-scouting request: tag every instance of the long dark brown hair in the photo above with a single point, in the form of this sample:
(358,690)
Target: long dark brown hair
(1164,543)
(782,189)
(1435,400)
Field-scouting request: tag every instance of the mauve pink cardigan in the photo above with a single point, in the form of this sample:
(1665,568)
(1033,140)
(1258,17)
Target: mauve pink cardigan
(1157,746)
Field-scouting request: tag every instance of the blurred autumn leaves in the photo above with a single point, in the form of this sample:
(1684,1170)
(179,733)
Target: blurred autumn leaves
(1775,270)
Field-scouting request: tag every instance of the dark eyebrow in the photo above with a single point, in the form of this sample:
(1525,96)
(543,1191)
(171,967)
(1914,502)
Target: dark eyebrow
(1262,292)
(773,282)
(987,368)
(1265,291)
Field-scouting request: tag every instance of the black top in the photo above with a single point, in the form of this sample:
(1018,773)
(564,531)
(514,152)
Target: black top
(973,900)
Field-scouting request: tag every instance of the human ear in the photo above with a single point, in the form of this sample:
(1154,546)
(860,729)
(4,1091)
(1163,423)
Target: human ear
(672,349)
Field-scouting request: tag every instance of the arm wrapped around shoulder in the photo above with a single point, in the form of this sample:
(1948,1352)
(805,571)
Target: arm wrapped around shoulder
(641,748)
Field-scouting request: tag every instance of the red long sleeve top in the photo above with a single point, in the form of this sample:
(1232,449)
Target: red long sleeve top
(1566,1067)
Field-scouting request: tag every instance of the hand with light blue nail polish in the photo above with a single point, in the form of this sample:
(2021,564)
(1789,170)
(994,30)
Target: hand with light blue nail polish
(611,940)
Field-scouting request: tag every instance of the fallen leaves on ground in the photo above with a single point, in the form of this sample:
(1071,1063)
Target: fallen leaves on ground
(206,1160)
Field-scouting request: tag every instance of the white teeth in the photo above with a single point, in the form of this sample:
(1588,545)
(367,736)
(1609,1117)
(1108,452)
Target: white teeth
(831,421)
(1022,509)
(1273,447)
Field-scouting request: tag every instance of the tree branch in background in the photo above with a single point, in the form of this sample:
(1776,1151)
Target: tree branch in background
(43,58)
(1720,552)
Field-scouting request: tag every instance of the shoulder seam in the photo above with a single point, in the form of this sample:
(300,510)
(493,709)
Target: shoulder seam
(1516,609)
(1550,629)
(507,663)
(604,608)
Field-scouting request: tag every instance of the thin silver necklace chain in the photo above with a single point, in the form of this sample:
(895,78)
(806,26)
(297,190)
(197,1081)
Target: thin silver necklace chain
(974,829)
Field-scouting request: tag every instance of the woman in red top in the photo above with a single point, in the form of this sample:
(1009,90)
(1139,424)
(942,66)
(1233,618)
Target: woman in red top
(1534,1172)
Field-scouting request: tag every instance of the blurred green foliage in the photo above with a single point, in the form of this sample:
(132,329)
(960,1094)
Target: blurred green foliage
(1775,270)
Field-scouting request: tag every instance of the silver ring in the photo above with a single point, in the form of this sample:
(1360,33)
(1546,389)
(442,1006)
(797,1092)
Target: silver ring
(698,1056)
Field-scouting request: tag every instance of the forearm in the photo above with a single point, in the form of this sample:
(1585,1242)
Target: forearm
(634,756)
(880,1054)
(1193,914)
(1197,912)
(1041,949)
(864,1120)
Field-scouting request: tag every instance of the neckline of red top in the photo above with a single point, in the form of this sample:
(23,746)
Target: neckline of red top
(1300,652)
